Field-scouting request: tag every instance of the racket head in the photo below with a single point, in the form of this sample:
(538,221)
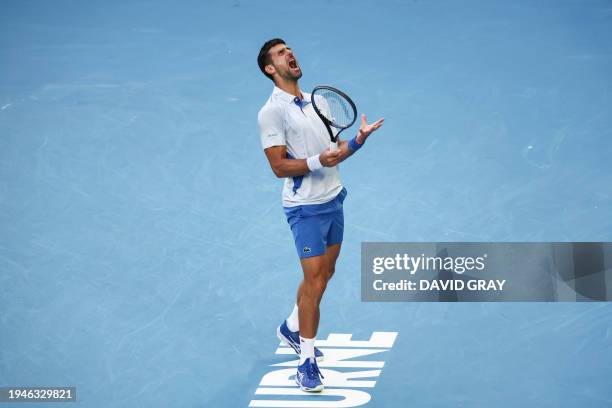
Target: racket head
(334,107)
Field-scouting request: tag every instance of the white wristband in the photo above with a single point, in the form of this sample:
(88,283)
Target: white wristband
(313,163)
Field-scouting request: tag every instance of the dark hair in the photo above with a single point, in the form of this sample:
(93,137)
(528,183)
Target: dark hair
(263,58)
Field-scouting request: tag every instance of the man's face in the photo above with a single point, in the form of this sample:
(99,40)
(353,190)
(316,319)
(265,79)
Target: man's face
(283,63)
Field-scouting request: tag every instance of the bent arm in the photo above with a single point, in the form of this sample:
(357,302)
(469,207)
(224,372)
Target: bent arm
(345,152)
(282,166)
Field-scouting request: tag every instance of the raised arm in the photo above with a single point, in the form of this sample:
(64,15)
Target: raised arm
(347,148)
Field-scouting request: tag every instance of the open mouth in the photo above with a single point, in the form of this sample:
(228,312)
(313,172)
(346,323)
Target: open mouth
(293,64)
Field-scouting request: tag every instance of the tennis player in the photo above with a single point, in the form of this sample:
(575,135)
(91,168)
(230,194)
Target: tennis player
(296,143)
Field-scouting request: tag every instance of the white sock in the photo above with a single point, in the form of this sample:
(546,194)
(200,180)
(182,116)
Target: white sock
(306,348)
(293,322)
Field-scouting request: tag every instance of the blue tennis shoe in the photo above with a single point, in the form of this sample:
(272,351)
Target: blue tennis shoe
(292,339)
(308,376)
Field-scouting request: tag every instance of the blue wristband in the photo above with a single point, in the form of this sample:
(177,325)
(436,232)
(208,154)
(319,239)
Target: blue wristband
(353,145)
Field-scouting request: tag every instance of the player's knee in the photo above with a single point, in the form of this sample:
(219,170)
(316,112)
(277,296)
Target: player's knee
(316,284)
(320,284)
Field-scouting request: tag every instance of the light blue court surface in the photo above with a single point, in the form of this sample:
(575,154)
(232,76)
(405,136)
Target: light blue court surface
(144,253)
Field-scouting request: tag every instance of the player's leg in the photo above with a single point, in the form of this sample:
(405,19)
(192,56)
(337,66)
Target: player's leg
(317,272)
(313,286)
(309,235)
(331,254)
(333,228)
(314,268)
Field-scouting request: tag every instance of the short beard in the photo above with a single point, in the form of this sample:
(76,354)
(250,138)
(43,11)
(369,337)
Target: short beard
(289,76)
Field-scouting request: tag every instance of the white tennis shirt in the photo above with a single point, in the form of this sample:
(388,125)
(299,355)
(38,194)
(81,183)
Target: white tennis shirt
(285,122)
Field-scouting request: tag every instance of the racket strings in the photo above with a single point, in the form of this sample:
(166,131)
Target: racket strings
(335,108)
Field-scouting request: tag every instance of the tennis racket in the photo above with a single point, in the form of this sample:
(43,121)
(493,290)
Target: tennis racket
(335,109)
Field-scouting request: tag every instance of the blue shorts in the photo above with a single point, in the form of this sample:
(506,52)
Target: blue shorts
(316,226)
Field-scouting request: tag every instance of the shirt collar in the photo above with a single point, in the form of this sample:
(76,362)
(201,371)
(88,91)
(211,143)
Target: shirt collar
(287,97)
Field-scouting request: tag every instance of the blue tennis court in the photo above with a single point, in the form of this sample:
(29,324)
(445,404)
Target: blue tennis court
(145,258)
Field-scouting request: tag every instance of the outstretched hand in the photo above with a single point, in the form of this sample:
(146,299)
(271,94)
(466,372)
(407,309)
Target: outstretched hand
(365,130)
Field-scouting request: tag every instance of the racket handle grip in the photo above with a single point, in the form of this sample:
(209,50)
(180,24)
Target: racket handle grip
(333,146)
